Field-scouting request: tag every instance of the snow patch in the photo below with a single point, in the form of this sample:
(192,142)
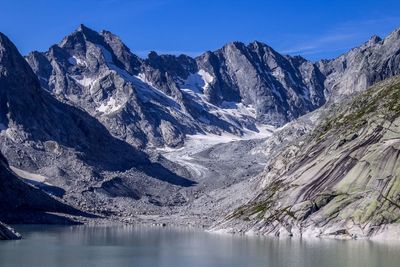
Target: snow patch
(29,176)
(236,110)
(234,113)
(194,82)
(207,77)
(84,81)
(142,77)
(199,142)
(149,93)
(198,82)
(76,61)
(110,107)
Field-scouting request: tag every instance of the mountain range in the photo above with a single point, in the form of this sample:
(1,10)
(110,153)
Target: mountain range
(157,101)
(107,134)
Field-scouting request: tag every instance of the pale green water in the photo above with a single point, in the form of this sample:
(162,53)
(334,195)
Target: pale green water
(113,246)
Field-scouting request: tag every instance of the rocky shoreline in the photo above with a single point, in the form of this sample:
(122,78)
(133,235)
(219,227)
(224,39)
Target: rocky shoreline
(8,233)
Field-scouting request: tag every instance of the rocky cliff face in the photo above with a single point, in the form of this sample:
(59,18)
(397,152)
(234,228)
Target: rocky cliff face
(32,117)
(341,180)
(280,88)
(97,73)
(374,61)
(159,100)
(22,203)
(21,106)
(63,150)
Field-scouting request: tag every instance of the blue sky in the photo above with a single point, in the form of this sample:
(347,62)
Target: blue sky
(313,29)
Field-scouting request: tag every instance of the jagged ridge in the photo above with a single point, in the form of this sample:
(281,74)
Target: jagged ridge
(229,90)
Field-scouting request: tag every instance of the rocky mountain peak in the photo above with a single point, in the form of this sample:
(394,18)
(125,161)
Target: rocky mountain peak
(152,55)
(4,41)
(14,71)
(10,58)
(362,66)
(393,39)
(177,66)
(257,45)
(374,39)
(233,47)
(83,28)
(130,61)
(89,34)
(79,37)
(84,38)
(395,33)
(276,88)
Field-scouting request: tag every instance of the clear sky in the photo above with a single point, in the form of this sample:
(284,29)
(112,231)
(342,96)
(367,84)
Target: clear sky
(313,29)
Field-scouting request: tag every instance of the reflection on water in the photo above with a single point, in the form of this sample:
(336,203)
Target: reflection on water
(99,246)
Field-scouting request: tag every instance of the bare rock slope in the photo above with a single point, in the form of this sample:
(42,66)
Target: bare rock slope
(7,233)
(74,155)
(341,180)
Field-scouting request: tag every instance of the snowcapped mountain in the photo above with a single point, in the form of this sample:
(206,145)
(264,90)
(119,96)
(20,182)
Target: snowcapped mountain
(62,149)
(33,118)
(97,73)
(159,100)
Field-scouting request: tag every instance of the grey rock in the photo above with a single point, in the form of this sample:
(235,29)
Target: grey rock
(7,233)
(336,181)
(134,98)
(73,151)
(22,203)
(361,67)
(281,88)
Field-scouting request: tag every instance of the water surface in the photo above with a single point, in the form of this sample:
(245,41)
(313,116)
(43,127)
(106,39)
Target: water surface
(115,246)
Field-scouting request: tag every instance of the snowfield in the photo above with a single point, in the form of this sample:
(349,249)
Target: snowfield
(186,155)
(29,176)
(110,107)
